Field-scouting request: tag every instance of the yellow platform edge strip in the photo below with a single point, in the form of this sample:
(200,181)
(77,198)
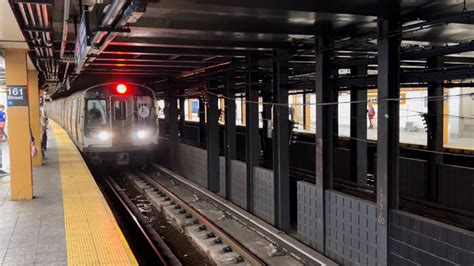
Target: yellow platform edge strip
(92,233)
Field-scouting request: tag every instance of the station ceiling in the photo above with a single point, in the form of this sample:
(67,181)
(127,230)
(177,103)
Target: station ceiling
(178,43)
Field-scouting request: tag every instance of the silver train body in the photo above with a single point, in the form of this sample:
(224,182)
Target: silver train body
(109,126)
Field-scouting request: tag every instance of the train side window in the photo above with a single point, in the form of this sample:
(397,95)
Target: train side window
(120,110)
(96,112)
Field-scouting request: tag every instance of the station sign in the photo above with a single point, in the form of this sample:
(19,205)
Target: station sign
(17,96)
(83,44)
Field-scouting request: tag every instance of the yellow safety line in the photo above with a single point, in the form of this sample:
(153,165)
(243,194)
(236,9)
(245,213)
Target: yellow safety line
(92,235)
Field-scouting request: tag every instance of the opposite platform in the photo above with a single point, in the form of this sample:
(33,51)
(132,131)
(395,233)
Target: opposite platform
(68,222)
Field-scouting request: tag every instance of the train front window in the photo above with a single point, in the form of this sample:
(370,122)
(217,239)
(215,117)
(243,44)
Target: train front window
(120,110)
(96,113)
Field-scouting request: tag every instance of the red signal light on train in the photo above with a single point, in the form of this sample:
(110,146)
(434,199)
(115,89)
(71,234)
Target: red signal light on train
(121,88)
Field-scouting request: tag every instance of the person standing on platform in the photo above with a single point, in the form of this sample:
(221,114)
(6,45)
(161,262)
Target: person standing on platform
(44,136)
(3,120)
(371,114)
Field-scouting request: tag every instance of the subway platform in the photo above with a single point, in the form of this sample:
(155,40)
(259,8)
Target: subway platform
(68,222)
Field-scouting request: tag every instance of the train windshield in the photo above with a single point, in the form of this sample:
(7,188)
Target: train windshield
(96,113)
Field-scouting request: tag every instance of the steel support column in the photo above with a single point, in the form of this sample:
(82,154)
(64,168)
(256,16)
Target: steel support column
(267,126)
(252,147)
(229,130)
(281,168)
(202,123)
(325,93)
(212,143)
(173,128)
(325,138)
(388,128)
(359,130)
(181,117)
(435,124)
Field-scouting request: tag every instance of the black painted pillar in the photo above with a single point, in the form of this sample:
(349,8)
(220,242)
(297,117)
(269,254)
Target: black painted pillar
(325,138)
(229,130)
(212,143)
(181,118)
(325,128)
(267,126)
(435,123)
(388,127)
(359,130)
(281,168)
(202,123)
(173,129)
(252,140)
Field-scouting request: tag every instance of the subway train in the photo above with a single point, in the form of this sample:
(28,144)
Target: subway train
(110,123)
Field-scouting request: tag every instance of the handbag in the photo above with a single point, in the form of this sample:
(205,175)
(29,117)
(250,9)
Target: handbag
(34,150)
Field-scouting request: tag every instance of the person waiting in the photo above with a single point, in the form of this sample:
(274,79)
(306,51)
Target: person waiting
(3,120)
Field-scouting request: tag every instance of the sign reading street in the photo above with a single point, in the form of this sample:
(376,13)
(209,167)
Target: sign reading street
(17,96)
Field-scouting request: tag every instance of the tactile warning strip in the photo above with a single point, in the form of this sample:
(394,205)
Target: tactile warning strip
(92,234)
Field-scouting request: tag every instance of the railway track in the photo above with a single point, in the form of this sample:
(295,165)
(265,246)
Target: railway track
(147,245)
(281,243)
(214,241)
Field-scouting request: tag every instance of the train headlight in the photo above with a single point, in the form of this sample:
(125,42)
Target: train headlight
(104,135)
(141,134)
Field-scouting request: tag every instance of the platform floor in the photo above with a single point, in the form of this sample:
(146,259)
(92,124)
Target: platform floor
(68,221)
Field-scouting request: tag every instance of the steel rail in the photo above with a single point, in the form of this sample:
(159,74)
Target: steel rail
(115,189)
(274,236)
(226,238)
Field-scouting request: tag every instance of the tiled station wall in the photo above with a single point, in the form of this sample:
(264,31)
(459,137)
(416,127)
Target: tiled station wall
(239,183)
(263,206)
(192,163)
(222,176)
(352,233)
(416,240)
(310,224)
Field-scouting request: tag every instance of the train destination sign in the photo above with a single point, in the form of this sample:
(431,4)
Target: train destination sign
(17,96)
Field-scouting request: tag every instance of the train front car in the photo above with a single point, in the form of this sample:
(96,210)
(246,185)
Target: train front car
(119,124)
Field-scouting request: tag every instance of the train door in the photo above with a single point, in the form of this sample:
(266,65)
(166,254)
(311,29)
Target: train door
(122,119)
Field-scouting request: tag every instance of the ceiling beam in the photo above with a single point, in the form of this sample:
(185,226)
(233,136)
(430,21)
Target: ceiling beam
(323,6)
(196,43)
(141,50)
(156,62)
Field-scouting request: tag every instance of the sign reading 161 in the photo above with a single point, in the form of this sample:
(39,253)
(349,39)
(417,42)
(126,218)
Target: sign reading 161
(17,96)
